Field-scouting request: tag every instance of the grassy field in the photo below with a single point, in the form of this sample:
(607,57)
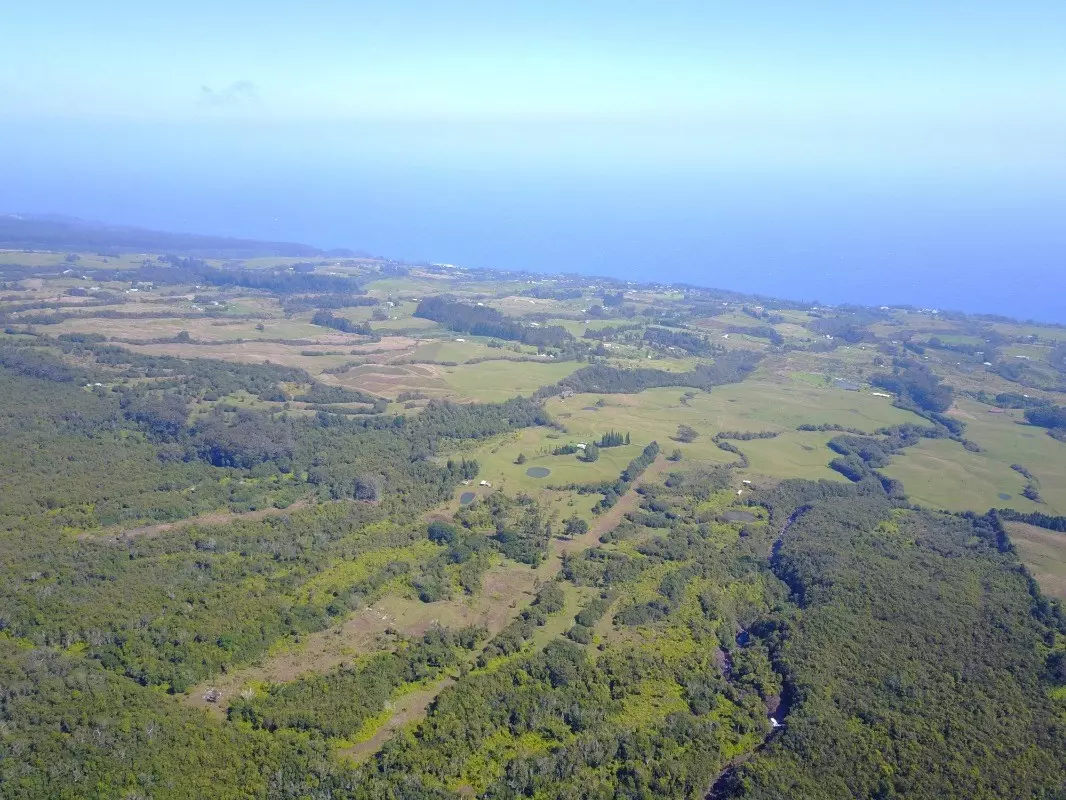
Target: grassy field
(87,261)
(1044,552)
(793,454)
(492,381)
(942,474)
(749,406)
(204,328)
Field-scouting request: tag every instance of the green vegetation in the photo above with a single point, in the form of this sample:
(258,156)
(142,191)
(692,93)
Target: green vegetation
(337,534)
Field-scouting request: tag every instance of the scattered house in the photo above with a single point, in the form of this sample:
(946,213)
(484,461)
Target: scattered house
(740,492)
(881,394)
(987,364)
(582,445)
(997,411)
(485,483)
(466,483)
(460,340)
(746,483)
(566,393)
(212,695)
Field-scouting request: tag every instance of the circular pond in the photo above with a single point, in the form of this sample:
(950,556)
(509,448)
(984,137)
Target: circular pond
(538,472)
(466,498)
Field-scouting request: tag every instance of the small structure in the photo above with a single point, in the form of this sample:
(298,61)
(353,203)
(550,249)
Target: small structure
(485,483)
(212,695)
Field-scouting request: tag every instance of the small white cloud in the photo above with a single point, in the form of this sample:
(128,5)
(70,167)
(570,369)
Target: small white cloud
(237,93)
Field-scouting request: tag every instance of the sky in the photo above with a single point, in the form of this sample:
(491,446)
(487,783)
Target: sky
(412,128)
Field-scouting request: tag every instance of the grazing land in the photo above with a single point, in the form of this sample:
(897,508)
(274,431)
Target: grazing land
(278,523)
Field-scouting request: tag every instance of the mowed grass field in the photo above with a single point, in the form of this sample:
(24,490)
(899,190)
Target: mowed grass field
(942,474)
(1044,552)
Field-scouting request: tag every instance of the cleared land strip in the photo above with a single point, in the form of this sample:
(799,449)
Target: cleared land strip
(503,585)
(204,520)
(414,706)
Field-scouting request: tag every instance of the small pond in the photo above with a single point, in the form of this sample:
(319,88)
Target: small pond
(466,498)
(1004,496)
(739,516)
(538,472)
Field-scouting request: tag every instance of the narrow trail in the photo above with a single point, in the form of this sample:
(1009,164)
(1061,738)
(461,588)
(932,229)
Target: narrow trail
(411,707)
(609,520)
(213,518)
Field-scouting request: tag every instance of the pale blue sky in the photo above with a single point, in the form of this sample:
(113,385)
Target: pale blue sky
(945,63)
(872,144)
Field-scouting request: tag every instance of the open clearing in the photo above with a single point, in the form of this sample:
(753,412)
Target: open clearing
(204,520)
(500,600)
(1044,552)
(411,707)
(942,474)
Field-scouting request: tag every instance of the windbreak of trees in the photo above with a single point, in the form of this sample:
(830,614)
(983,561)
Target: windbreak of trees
(613,439)
(480,320)
(283,282)
(729,367)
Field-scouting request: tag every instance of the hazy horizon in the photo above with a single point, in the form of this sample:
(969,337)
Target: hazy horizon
(905,155)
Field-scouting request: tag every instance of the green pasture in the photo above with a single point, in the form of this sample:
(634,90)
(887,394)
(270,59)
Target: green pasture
(941,473)
(86,261)
(493,381)
(497,461)
(793,454)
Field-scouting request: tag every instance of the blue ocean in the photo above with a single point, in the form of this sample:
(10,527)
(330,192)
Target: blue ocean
(980,244)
